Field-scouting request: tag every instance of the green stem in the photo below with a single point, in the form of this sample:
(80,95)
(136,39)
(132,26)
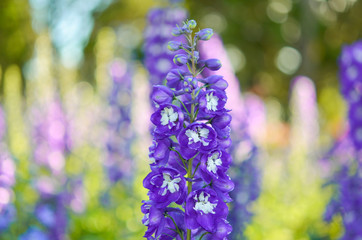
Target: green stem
(177,229)
(189,189)
(203,235)
(192,119)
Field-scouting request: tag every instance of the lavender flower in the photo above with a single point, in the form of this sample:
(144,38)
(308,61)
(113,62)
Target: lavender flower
(158,60)
(191,137)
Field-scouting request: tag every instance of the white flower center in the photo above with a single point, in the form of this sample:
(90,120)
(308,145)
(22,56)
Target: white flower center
(213,162)
(170,184)
(211,101)
(198,136)
(203,204)
(168,116)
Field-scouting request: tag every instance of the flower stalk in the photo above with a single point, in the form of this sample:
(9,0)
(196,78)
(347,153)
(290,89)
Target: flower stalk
(189,156)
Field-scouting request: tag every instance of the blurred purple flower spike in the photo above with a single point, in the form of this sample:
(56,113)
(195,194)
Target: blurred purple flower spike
(348,196)
(158,60)
(244,170)
(118,159)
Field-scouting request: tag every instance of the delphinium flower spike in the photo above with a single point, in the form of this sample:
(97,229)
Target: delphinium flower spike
(158,60)
(119,133)
(244,169)
(189,185)
(347,201)
(7,180)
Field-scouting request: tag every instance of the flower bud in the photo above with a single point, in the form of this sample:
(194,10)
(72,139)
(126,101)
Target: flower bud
(174,46)
(213,64)
(180,59)
(178,31)
(216,82)
(191,24)
(221,121)
(161,94)
(205,34)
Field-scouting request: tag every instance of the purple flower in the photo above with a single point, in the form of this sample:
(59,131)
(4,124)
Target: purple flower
(158,59)
(161,95)
(185,143)
(203,208)
(180,59)
(212,102)
(205,34)
(174,45)
(197,137)
(166,185)
(216,82)
(168,119)
(174,78)
(213,64)
(159,152)
(223,228)
(159,222)
(214,164)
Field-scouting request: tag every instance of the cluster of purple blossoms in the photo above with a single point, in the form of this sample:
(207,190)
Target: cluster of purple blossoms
(351,87)
(348,199)
(347,202)
(7,180)
(157,60)
(247,176)
(189,185)
(119,134)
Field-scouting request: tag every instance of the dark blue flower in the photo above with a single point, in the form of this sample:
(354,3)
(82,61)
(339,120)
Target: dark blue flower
(166,185)
(212,102)
(203,209)
(168,119)
(197,137)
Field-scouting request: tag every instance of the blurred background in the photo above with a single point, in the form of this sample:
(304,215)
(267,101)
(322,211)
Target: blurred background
(74,111)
